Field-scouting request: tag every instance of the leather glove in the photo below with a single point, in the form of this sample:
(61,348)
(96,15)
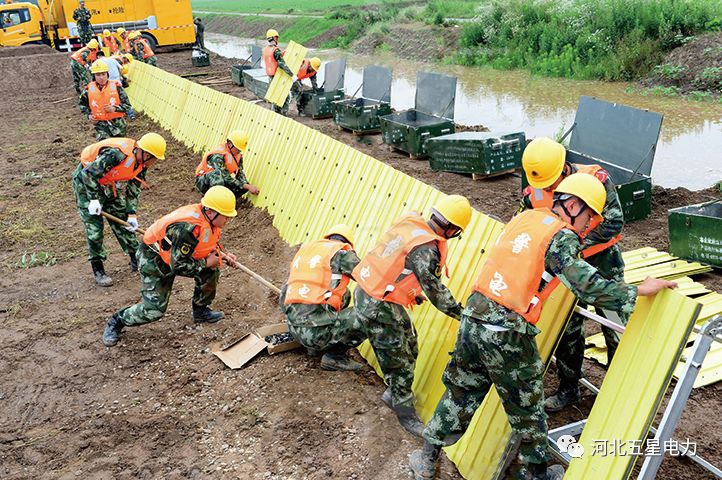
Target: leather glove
(133,221)
(94,207)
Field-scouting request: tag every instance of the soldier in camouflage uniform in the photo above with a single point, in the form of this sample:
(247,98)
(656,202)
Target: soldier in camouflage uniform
(82,15)
(105,109)
(108,178)
(184,242)
(404,266)
(496,344)
(315,299)
(224,166)
(138,46)
(544,163)
(273,59)
(80,62)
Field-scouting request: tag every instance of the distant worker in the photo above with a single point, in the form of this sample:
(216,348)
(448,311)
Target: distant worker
(109,179)
(82,15)
(545,166)
(316,297)
(309,69)
(185,243)
(224,166)
(80,62)
(273,59)
(105,103)
(124,40)
(200,30)
(110,41)
(140,48)
(496,340)
(405,265)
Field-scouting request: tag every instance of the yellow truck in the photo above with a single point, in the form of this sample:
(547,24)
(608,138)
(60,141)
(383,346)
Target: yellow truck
(162,22)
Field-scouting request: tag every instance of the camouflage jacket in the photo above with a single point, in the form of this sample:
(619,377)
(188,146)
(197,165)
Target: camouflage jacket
(278,56)
(89,177)
(84,103)
(221,172)
(424,261)
(182,244)
(562,260)
(82,16)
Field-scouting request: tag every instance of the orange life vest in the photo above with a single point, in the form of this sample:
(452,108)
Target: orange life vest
(112,44)
(382,273)
(206,234)
(515,268)
(231,165)
(98,98)
(306,71)
(78,56)
(269,60)
(310,277)
(147,51)
(126,44)
(128,169)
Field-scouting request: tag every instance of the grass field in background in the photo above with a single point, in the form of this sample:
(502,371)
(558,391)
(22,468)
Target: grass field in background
(275,6)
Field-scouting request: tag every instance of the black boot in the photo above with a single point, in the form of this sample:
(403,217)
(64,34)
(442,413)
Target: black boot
(567,394)
(543,472)
(423,462)
(204,314)
(111,334)
(339,362)
(409,419)
(133,261)
(101,278)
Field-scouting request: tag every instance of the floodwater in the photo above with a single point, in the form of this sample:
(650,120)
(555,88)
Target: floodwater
(689,152)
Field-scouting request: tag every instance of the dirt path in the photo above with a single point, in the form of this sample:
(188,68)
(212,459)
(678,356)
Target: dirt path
(160,405)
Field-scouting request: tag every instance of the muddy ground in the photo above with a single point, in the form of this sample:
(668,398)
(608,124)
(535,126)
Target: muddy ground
(159,405)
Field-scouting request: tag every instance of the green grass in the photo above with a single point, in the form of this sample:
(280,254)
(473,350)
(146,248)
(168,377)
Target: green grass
(275,6)
(36,259)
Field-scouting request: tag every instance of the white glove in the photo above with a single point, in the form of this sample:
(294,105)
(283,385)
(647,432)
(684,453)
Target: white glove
(94,207)
(133,221)
(295,79)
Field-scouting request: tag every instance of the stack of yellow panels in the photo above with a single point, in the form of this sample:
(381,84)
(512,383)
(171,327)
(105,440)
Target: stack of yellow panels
(281,84)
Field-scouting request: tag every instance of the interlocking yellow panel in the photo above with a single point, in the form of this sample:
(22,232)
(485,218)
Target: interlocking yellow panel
(281,84)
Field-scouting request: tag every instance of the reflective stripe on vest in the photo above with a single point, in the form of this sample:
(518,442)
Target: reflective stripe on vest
(306,71)
(112,44)
(128,169)
(269,60)
(78,56)
(382,274)
(98,98)
(206,234)
(231,165)
(126,44)
(310,277)
(513,273)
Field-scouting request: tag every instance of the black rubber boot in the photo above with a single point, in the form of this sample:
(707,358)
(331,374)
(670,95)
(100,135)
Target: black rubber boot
(567,394)
(386,398)
(543,472)
(111,334)
(423,461)
(204,314)
(339,362)
(101,278)
(409,419)
(133,261)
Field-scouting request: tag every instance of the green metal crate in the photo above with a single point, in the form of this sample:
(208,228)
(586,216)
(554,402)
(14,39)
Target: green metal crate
(409,131)
(481,154)
(319,104)
(695,232)
(360,115)
(200,58)
(256,81)
(237,73)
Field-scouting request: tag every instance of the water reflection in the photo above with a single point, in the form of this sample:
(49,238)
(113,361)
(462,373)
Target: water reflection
(509,101)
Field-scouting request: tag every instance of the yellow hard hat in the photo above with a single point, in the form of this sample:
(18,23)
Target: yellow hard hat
(271,33)
(106,33)
(153,144)
(239,139)
(221,200)
(128,57)
(315,63)
(587,188)
(93,44)
(99,66)
(543,161)
(134,34)
(455,209)
(120,31)
(343,230)
(124,70)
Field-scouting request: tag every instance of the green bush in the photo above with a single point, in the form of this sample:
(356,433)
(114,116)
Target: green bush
(669,71)
(607,39)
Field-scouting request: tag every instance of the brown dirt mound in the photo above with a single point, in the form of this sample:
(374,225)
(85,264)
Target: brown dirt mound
(326,36)
(32,73)
(26,50)
(411,41)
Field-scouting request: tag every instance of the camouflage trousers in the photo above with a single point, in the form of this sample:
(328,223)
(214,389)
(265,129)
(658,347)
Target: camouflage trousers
(510,361)
(389,329)
(213,178)
(152,61)
(114,205)
(156,284)
(118,127)
(81,76)
(570,352)
(85,32)
(321,328)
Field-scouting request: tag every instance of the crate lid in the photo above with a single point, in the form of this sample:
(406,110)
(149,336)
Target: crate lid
(471,136)
(618,134)
(435,94)
(255,55)
(377,83)
(334,74)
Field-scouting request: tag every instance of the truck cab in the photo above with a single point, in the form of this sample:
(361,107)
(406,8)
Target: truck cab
(21,24)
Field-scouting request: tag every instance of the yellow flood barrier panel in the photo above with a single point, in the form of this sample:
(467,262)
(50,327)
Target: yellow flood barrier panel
(281,84)
(634,386)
